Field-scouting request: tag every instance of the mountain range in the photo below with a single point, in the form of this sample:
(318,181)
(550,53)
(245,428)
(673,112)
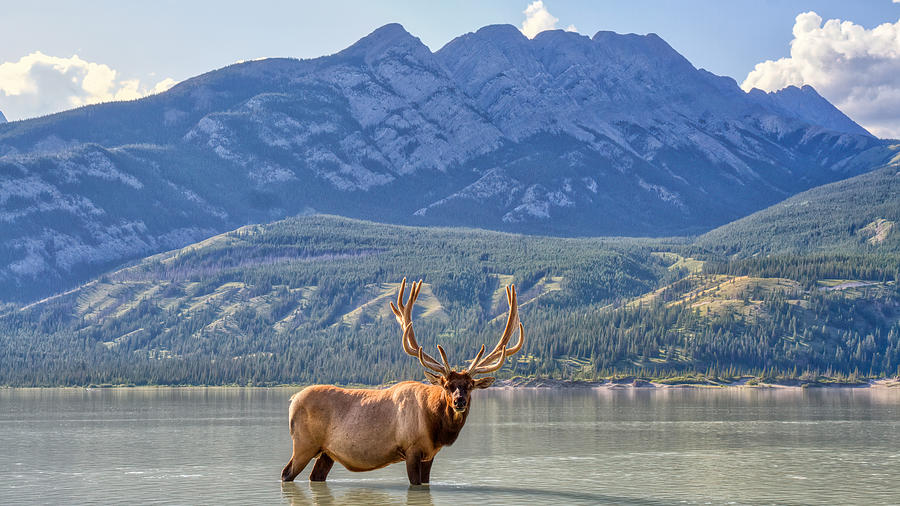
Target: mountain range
(560,135)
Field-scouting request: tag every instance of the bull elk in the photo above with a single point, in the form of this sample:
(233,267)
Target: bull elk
(411,421)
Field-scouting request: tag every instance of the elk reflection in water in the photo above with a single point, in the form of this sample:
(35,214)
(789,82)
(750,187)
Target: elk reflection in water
(319,493)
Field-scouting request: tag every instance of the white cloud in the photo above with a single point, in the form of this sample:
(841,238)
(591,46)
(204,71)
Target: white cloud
(39,84)
(856,69)
(538,19)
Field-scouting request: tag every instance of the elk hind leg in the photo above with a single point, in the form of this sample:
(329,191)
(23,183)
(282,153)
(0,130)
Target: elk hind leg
(299,459)
(321,468)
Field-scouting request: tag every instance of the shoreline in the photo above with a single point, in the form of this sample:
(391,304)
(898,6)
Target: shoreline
(626,383)
(640,383)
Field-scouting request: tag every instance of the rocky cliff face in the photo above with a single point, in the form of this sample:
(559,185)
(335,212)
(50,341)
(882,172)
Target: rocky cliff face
(562,134)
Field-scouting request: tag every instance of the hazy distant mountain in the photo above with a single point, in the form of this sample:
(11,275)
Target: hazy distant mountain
(804,103)
(2,117)
(561,135)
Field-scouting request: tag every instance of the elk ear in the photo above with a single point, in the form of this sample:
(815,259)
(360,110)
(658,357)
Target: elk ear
(484,382)
(434,379)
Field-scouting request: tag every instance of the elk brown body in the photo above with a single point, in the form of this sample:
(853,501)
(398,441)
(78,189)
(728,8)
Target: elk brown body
(369,429)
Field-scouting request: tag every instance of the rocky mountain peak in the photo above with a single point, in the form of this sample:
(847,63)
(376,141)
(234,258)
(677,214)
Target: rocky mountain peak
(805,103)
(499,33)
(649,51)
(389,40)
(482,55)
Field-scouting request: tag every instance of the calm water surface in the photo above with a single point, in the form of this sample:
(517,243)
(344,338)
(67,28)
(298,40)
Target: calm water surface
(635,446)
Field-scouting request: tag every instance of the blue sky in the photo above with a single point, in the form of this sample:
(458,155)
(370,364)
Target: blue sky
(144,47)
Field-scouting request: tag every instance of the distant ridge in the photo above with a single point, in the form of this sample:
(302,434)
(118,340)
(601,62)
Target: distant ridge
(806,104)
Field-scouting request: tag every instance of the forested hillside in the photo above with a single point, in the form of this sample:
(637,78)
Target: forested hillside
(858,216)
(306,300)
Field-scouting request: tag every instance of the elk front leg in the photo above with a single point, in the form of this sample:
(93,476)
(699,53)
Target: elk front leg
(426,470)
(320,470)
(414,468)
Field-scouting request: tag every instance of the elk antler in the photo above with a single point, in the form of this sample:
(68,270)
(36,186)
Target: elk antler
(403,312)
(494,360)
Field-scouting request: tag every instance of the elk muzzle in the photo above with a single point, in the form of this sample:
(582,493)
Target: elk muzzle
(459,400)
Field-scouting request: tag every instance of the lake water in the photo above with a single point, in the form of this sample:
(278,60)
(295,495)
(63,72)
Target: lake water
(631,446)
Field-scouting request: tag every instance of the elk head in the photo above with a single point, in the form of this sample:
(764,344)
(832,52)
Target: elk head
(458,385)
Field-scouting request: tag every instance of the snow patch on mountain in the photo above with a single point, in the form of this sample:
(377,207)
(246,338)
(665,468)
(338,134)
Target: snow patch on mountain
(192,197)
(663,193)
(55,252)
(493,185)
(215,135)
(266,173)
(537,202)
(33,195)
(343,176)
(94,164)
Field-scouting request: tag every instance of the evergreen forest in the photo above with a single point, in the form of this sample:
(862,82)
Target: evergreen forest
(305,300)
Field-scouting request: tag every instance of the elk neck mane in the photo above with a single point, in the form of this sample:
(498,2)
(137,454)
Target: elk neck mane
(445,423)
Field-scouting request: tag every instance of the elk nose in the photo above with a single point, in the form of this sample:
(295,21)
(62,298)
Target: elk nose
(460,403)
